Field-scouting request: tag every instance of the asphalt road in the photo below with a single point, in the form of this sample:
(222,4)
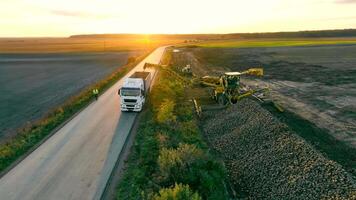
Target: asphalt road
(76,162)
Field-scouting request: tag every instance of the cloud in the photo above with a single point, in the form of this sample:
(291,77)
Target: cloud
(345,1)
(341,18)
(67,13)
(79,14)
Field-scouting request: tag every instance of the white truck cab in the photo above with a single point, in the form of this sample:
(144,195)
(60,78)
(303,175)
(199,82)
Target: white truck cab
(133,91)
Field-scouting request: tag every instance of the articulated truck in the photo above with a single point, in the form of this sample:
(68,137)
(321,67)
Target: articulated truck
(134,90)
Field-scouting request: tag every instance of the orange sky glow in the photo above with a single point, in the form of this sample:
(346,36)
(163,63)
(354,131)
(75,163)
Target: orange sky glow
(23,18)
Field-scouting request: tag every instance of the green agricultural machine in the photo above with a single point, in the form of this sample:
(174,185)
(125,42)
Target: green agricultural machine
(227,88)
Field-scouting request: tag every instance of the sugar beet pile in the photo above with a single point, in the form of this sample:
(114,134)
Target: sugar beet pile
(267,161)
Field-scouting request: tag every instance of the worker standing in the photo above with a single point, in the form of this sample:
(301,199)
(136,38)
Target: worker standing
(96,93)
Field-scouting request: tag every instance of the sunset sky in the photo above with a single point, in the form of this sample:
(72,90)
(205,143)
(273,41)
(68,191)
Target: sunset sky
(22,18)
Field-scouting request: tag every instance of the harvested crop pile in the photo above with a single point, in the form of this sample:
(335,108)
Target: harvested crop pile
(267,161)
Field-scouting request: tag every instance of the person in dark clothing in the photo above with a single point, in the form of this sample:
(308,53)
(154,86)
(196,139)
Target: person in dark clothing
(96,93)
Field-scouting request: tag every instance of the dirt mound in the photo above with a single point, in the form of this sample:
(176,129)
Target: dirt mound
(267,161)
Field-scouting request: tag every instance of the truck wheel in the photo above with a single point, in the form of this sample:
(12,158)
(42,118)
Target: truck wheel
(222,100)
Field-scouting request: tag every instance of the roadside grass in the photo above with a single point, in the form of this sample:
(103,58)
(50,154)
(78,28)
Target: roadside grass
(34,133)
(169,157)
(246,43)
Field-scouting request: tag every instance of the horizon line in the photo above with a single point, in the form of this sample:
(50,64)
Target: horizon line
(146,34)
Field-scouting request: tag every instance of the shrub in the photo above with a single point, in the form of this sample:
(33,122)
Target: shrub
(185,112)
(178,192)
(165,88)
(190,165)
(190,133)
(165,112)
(173,161)
(162,139)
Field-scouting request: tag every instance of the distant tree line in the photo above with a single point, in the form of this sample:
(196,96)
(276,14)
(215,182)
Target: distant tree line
(305,34)
(319,33)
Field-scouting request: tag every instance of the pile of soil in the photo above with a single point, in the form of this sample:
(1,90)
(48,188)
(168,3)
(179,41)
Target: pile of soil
(266,160)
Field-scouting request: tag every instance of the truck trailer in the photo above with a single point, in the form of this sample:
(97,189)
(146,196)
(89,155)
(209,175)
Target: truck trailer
(134,90)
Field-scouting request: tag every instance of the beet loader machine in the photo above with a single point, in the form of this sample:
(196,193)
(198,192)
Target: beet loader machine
(227,89)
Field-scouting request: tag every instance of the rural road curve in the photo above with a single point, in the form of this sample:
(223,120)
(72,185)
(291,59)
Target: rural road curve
(76,162)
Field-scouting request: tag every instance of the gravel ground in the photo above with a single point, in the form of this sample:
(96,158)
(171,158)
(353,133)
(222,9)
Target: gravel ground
(266,160)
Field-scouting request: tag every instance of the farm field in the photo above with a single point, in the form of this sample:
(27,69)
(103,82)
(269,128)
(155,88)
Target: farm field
(275,42)
(81,44)
(268,155)
(32,84)
(315,84)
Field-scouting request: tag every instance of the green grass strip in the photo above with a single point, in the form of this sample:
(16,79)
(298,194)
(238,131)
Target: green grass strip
(275,43)
(169,148)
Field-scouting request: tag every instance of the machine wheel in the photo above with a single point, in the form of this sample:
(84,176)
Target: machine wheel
(233,100)
(213,95)
(222,100)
